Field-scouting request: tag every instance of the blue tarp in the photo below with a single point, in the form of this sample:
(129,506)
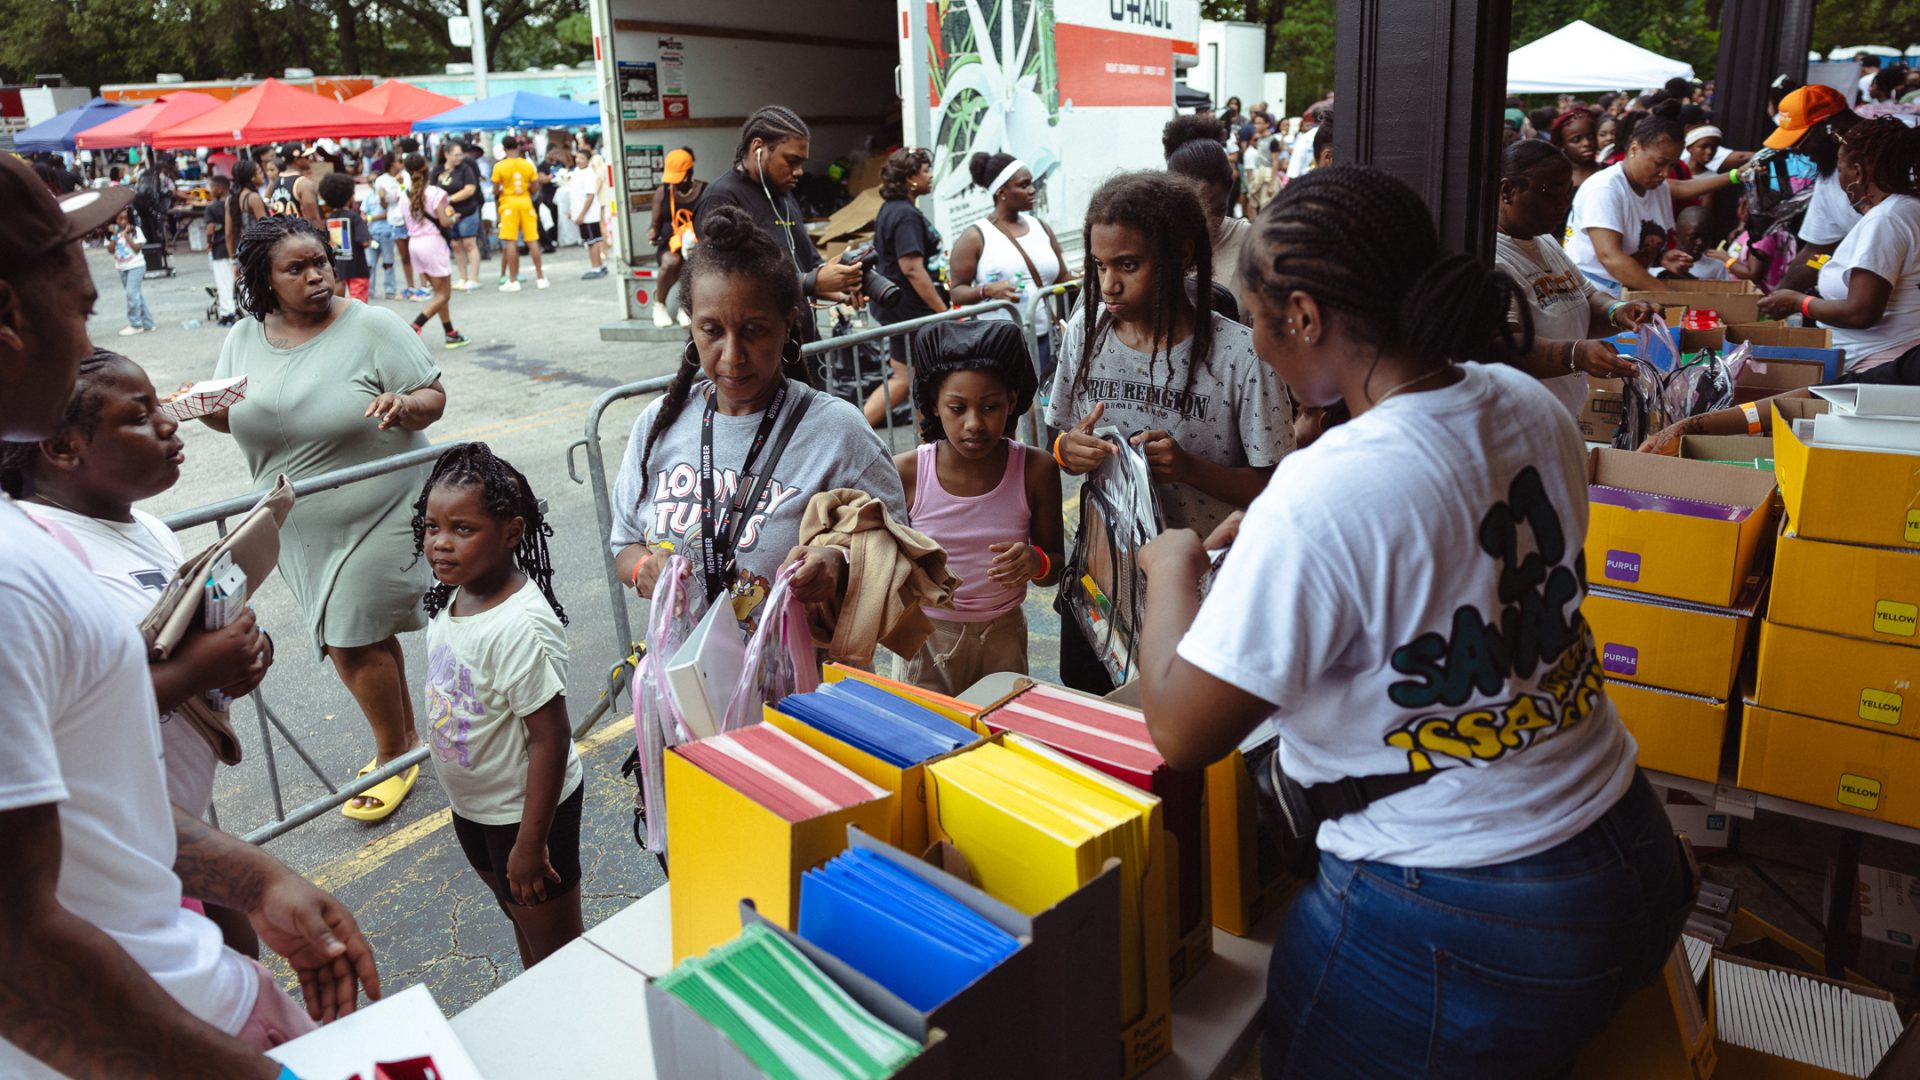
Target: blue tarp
(58,133)
(519,109)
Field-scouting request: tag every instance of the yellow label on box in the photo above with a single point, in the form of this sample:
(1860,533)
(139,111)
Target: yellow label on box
(1859,792)
(1880,707)
(1896,618)
(1913,526)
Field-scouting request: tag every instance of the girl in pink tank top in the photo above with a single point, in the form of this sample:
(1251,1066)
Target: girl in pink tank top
(993,503)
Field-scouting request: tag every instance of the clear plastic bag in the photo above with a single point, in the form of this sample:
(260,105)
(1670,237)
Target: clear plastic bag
(1102,587)
(657,723)
(780,657)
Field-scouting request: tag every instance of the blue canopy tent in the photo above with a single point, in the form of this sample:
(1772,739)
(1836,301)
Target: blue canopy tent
(518,109)
(58,133)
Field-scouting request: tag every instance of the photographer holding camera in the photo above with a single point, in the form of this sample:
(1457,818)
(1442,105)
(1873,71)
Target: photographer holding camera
(767,166)
(906,250)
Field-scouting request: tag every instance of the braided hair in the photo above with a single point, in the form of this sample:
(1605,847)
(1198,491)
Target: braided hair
(506,495)
(255,256)
(1362,244)
(994,345)
(1897,170)
(1870,142)
(1166,211)
(770,124)
(1525,155)
(417,182)
(82,416)
(733,247)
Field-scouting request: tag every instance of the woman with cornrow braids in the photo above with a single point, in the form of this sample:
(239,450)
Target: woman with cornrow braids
(767,166)
(742,388)
(1401,607)
(1180,381)
(333,383)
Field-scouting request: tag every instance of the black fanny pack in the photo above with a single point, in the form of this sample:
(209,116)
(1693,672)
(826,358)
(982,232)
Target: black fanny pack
(1293,811)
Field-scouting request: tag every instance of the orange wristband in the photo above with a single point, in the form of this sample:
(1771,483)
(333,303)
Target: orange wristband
(1046,565)
(1806,302)
(633,580)
(1056,450)
(1753,417)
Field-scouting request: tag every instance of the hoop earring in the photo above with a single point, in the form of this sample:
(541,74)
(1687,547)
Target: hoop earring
(690,356)
(790,353)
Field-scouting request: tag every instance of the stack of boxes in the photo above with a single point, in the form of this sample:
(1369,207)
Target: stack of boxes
(1835,716)
(1672,597)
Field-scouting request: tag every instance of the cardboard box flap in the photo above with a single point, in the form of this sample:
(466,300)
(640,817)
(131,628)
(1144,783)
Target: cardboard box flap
(1728,485)
(854,217)
(1765,378)
(1780,334)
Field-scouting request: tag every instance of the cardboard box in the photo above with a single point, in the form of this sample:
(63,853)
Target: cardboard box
(1606,406)
(1886,916)
(1835,766)
(1847,589)
(1762,379)
(1780,334)
(1745,451)
(1674,555)
(687,1047)
(1680,734)
(1248,880)
(1849,496)
(908,822)
(1146,1038)
(1841,680)
(1704,827)
(726,848)
(1689,648)
(1736,301)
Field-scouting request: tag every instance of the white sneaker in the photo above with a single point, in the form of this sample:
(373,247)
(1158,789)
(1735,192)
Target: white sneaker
(511,286)
(467,286)
(684,320)
(129,331)
(661,318)
(540,283)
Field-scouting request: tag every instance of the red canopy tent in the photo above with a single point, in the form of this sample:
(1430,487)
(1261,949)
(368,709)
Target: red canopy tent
(403,101)
(276,112)
(137,127)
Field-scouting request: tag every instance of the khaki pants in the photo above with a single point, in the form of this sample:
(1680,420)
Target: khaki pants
(960,654)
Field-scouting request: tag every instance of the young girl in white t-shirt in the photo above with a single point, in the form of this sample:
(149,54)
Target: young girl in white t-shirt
(496,693)
(1402,605)
(1179,381)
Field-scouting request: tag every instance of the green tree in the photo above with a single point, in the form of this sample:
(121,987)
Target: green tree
(1866,22)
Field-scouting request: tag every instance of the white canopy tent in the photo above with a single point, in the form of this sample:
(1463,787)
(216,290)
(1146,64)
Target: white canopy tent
(1582,57)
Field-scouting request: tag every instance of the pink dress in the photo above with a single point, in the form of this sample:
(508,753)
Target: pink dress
(425,246)
(968,526)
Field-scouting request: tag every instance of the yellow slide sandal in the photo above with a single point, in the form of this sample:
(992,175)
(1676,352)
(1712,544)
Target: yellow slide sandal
(389,793)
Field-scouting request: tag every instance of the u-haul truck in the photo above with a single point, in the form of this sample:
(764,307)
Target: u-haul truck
(1078,89)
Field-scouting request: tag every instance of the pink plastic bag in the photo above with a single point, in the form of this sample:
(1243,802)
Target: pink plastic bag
(657,723)
(780,658)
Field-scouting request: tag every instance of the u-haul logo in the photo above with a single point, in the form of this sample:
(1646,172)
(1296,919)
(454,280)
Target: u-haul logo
(1622,566)
(1895,618)
(1141,12)
(1913,526)
(1859,792)
(1619,659)
(1880,706)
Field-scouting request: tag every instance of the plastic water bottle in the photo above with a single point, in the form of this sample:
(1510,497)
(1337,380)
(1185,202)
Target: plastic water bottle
(190,324)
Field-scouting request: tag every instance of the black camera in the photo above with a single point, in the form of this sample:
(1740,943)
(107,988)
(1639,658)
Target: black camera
(879,290)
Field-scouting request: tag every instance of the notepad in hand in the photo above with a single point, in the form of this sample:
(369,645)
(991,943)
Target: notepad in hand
(779,772)
(897,929)
(788,1018)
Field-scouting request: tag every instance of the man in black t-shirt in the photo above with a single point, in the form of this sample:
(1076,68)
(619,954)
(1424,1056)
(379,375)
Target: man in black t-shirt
(461,181)
(221,188)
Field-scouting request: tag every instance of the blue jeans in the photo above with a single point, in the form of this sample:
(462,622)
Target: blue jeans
(1497,971)
(384,234)
(138,314)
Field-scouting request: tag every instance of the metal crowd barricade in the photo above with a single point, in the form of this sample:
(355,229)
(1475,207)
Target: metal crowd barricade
(619,677)
(216,514)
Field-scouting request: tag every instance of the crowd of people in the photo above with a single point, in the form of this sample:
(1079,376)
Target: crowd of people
(1372,487)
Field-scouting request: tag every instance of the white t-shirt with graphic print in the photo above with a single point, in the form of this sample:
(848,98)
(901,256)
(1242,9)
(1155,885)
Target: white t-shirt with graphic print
(1234,412)
(1608,201)
(1406,593)
(486,674)
(1560,297)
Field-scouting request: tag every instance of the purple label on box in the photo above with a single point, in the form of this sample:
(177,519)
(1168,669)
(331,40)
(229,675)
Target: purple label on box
(1619,659)
(1622,566)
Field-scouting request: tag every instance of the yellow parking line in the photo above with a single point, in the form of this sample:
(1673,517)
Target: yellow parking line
(341,872)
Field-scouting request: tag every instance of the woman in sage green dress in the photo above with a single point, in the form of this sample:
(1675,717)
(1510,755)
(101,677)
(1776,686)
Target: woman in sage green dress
(332,383)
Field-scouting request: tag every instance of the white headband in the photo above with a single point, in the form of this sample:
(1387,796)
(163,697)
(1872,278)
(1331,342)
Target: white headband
(1707,132)
(1006,174)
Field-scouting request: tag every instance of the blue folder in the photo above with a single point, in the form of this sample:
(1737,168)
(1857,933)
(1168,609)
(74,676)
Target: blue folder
(897,929)
(892,729)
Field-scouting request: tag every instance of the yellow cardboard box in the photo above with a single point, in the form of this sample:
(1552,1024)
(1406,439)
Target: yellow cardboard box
(908,785)
(1676,555)
(1850,496)
(1248,879)
(726,848)
(1863,592)
(1690,648)
(1840,679)
(1836,766)
(1680,734)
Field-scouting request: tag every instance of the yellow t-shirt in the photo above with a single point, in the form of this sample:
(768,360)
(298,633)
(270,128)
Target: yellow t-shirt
(513,180)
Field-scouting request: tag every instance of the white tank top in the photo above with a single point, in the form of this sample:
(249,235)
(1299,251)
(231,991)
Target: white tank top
(1000,260)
